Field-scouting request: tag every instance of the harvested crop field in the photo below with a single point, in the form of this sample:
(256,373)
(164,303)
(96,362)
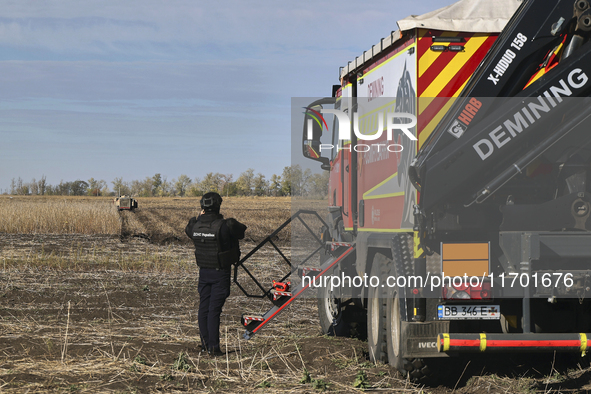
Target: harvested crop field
(114,310)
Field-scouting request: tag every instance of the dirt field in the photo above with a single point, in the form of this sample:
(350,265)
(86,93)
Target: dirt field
(117,313)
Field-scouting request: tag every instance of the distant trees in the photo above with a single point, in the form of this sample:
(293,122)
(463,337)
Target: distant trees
(212,182)
(97,187)
(318,184)
(293,181)
(245,183)
(260,185)
(42,185)
(302,182)
(20,187)
(121,188)
(285,182)
(181,185)
(75,188)
(275,185)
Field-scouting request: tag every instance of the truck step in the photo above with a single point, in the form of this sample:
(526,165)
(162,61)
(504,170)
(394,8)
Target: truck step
(247,319)
(308,271)
(336,245)
(279,294)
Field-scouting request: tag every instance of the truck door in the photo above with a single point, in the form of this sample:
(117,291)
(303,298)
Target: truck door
(346,172)
(335,184)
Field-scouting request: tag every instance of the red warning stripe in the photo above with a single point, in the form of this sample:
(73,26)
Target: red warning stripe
(514,343)
(452,88)
(463,342)
(423,46)
(430,112)
(534,343)
(467,69)
(437,67)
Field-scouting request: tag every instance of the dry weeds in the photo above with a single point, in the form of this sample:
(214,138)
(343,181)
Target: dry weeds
(261,215)
(58,216)
(112,331)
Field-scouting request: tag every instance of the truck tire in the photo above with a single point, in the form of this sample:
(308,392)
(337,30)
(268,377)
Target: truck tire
(415,368)
(396,312)
(330,314)
(376,312)
(341,318)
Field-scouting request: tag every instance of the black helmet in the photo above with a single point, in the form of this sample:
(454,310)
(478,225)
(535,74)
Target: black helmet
(211,202)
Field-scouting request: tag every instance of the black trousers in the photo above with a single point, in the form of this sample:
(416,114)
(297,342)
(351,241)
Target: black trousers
(214,288)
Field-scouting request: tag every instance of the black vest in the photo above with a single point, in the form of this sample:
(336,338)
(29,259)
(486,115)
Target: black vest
(209,245)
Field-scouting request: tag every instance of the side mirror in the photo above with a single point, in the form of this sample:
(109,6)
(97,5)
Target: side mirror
(313,125)
(312,151)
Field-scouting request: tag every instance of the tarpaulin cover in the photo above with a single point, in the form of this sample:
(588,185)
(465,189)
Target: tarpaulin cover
(479,16)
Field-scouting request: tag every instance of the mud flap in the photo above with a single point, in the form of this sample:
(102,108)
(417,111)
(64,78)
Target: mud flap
(420,339)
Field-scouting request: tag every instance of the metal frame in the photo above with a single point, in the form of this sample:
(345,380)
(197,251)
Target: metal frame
(268,239)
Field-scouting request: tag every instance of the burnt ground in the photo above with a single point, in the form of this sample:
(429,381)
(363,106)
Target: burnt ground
(111,314)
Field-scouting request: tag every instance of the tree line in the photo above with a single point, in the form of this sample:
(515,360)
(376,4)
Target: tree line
(294,181)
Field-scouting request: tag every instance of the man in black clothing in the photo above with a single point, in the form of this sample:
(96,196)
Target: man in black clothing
(216,249)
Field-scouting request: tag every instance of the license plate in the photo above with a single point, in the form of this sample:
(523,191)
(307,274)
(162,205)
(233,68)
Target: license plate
(468,312)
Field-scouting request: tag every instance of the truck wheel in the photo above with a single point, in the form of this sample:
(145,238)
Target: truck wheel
(376,312)
(415,368)
(341,319)
(396,312)
(330,313)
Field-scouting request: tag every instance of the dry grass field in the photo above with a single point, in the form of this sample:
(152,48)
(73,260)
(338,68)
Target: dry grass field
(45,215)
(93,300)
(162,220)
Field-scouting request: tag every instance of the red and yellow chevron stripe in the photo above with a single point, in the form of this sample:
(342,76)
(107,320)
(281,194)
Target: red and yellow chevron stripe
(443,75)
(552,59)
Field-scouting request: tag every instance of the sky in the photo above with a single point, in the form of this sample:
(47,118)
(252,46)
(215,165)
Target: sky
(106,89)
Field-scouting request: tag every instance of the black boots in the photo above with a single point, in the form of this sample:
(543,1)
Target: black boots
(215,351)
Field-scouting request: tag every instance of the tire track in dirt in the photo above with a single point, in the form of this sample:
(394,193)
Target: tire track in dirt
(146,217)
(165,220)
(136,224)
(169,230)
(152,224)
(131,226)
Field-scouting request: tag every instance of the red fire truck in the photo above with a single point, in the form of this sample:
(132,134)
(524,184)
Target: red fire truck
(459,187)
(493,186)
